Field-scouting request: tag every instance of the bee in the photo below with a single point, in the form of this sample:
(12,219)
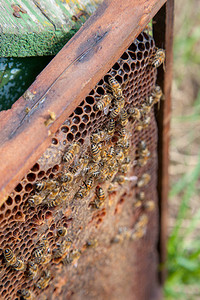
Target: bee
(45,185)
(26,294)
(159,58)
(40,249)
(156,95)
(143,154)
(72,256)
(127,160)
(51,118)
(82,192)
(66,178)
(111,127)
(36,199)
(123,117)
(115,112)
(112,187)
(43,282)
(149,205)
(116,89)
(61,231)
(95,151)
(13,261)
(140,227)
(74,167)
(104,101)
(97,137)
(62,248)
(123,168)
(92,167)
(92,243)
(89,182)
(143,180)
(146,108)
(139,199)
(100,197)
(123,133)
(71,152)
(143,220)
(119,155)
(32,269)
(143,123)
(111,152)
(120,179)
(134,113)
(54,202)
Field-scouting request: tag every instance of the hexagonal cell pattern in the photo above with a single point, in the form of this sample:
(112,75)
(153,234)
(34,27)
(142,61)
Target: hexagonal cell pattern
(87,201)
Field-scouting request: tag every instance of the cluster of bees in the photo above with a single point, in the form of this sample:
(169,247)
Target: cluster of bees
(105,160)
(41,256)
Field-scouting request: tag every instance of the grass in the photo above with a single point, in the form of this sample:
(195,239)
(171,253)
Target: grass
(183,261)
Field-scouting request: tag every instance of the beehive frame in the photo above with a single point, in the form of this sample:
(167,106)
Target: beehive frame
(48,95)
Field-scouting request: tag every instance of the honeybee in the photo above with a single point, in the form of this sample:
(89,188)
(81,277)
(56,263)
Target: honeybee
(71,152)
(140,227)
(143,220)
(82,192)
(43,282)
(123,117)
(74,167)
(115,112)
(54,202)
(100,197)
(143,154)
(92,243)
(95,151)
(139,199)
(61,231)
(97,137)
(119,155)
(123,168)
(51,118)
(143,180)
(134,113)
(120,179)
(123,133)
(116,89)
(26,294)
(111,152)
(156,95)
(62,248)
(13,261)
(112,187)
(111,127)
(159,58)
(104,101)
(149,205)
(146,108)
(89,182)
(32,269)
(92,167)
(144,123)
(66,178)
(45,185)
(36,199)
(40,249)
(72,256)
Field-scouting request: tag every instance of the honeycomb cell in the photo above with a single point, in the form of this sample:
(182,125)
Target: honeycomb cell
(139,55)
(41,174)
(76,120)
(7,213)
(3,207)
(124,56)
(17,199)
(81,126)
(65,129)
(78,110)
(100,90)
(28,187)
(89,100)
(126,67)
(15,209)
(116,66)
(132,48)
(87,109)
(74,129)
(18,188)
(54,141)
(85,119)
(31,177)
(84,133)
(77,136)
(70,137)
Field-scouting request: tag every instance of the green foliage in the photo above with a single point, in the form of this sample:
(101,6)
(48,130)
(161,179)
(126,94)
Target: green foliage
(183,263)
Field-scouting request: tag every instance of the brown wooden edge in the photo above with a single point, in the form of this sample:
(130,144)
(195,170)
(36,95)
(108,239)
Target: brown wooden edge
(63,84)
(163,35)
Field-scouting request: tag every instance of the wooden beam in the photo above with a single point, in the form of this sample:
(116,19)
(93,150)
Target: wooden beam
(36,28)
(163,35)
(64,83)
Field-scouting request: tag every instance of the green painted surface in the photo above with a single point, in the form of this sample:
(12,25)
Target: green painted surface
(44,28)
(16,75)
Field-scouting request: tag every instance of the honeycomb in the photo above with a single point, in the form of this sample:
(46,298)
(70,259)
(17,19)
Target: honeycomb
(90,240)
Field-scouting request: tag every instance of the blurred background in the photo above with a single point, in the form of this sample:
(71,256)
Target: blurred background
(183,262)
